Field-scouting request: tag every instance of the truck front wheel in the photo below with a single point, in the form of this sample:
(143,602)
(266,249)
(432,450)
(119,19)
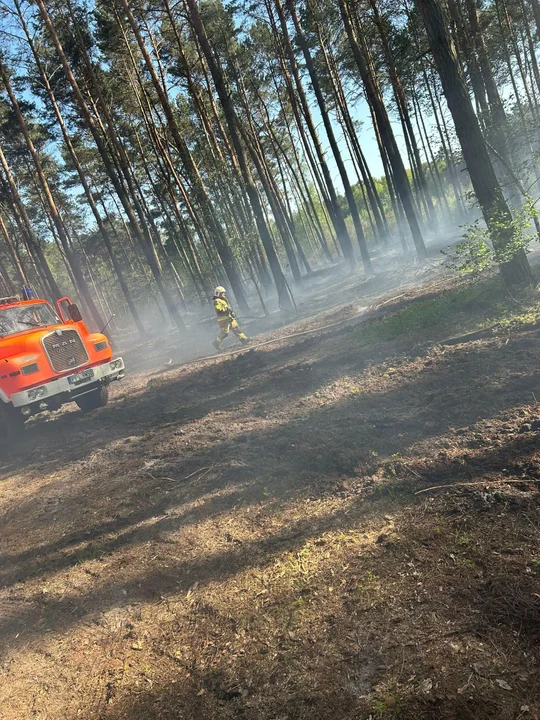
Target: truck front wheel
(11,423)
(96,399)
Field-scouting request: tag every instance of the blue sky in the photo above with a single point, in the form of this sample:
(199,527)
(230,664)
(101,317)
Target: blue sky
(360,111)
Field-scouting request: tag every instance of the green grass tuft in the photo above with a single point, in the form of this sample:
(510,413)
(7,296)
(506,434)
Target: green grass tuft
(464,309)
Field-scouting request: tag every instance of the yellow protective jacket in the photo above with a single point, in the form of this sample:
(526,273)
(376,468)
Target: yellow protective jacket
(223,310)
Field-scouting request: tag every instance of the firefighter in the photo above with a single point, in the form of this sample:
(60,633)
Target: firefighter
(226,319)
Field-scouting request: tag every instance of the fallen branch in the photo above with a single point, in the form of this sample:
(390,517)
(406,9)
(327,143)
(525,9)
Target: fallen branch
(209,467)
(204,474)
(466,484)
(387,302)
(157,479)
(469,337)
(410,469)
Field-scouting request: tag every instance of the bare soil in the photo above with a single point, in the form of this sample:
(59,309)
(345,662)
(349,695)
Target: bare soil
(329,526)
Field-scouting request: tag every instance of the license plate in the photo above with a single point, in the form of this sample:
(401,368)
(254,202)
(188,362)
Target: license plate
(81,377)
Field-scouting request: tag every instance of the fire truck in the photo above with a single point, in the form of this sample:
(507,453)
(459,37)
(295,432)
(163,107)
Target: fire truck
(48,357)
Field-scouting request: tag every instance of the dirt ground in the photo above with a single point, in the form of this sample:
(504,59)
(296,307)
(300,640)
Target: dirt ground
(335,525)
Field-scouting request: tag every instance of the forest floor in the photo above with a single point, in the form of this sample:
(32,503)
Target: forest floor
(343,524)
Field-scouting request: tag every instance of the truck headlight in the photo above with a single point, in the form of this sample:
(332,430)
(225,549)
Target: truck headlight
(116,364)
(37,393)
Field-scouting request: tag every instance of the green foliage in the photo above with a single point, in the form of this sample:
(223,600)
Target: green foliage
(472,256)
(484,247)
(465,309)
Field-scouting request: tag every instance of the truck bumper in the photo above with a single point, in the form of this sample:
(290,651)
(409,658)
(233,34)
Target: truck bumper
(70,386)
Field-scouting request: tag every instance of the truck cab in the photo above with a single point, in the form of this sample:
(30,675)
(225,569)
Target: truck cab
(48,357)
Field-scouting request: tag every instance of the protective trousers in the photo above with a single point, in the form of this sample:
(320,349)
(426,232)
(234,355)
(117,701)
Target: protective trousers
(226,325)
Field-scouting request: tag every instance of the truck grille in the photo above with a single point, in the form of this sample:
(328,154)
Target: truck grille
(65,351)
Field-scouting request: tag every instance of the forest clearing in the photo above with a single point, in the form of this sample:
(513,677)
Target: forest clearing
(344,524)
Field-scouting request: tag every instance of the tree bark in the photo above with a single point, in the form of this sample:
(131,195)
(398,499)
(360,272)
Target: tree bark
(304,46)
(82,176)
(385,128)
(515,271)
(334,210)
(284,295)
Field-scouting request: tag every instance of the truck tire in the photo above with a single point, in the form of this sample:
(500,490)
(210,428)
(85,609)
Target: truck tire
(93,400)
(11,424)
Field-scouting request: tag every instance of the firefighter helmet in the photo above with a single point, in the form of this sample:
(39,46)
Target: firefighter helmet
(219,291)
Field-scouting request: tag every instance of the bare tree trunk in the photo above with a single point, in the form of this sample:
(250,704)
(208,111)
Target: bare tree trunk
(428,153)
(535,5)
(334,210)
(299,180)
(82,176)
(447,151)
(7,284)
(403,107)
(496,108)
(355,149)
(385,128)
(144,239)
(318,183)
(199,188)
(51,204)
(252,143)
(12,251)
(496,212)
(284,294)
(470,61)
(304,46)
(26,227)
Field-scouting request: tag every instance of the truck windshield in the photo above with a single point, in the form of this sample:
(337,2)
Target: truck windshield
(22,317)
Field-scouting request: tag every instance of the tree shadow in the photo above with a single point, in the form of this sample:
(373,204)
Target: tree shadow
(307,453)
(349,665)
(307,456)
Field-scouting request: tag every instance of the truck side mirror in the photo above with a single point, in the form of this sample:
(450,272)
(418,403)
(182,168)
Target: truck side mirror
(74,313)
(69,312)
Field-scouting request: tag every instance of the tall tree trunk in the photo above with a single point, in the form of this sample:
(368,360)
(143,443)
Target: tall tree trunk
(519,60)
(82,285)
(81,174)
(447,150)
(198,186)
(355,148)
(535,5)
(496,212)
(429,155)
(17,264)
(257,154)
(403,106)
(299,179)
(318,183)
(25,227)
(470,61)
(385,128)
(496,108)
(284,294)
(142,237)
(334,209)
(304,46)
(7,284)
